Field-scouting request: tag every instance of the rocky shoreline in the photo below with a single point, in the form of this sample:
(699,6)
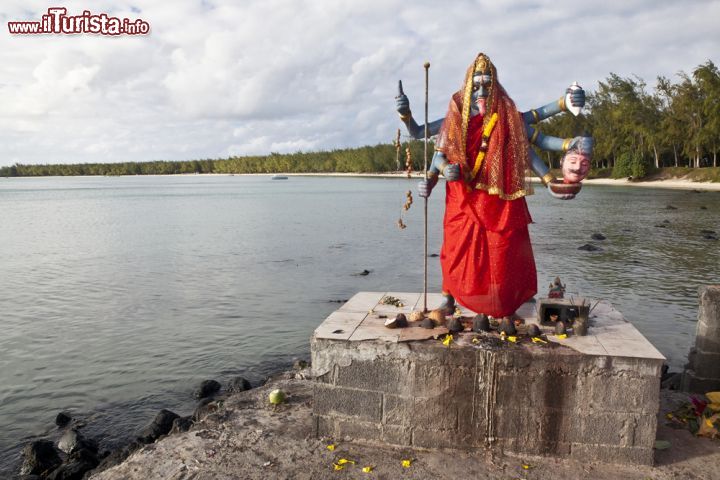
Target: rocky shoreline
(241,435)
(75,456)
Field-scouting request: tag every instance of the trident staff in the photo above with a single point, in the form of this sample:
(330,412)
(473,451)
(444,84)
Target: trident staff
(425,169)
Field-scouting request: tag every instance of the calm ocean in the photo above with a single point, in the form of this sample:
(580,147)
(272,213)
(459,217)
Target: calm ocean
(118,295)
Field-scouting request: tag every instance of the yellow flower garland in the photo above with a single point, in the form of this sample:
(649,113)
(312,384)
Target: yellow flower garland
(486,135)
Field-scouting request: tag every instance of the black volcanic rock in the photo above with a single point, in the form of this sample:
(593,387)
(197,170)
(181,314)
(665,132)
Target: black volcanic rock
(161,425)
(207,388)
(39,457)
(241,384)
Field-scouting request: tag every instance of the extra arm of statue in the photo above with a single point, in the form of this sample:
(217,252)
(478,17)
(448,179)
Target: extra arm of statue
(537,115)
(532,117)
(439,165)
(579,148)
(402,104)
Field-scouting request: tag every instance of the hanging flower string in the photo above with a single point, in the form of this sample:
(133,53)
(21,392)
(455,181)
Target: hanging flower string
(408,161)
(408,203)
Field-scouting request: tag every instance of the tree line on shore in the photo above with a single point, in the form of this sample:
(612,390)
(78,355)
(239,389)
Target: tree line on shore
(636,130)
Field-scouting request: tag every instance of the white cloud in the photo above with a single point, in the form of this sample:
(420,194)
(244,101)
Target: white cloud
(219,78)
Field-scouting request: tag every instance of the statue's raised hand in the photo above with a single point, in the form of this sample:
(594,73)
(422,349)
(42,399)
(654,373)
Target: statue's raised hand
(577,96)
(401,101)
(452,172)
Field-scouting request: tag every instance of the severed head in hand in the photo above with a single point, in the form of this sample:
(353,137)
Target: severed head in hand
(575,166)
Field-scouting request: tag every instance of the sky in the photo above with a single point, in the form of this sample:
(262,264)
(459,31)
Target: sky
(218,78)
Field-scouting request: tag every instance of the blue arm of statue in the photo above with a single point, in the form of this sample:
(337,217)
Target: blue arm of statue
(438,166)
(537,115)
(402,104)
(534,116)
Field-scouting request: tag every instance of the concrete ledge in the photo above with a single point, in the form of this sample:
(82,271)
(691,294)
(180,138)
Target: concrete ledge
(546,399)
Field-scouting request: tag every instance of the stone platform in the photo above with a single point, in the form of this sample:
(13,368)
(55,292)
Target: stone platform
(593,398)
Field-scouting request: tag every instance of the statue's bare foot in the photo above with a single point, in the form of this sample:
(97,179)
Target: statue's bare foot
(448,304)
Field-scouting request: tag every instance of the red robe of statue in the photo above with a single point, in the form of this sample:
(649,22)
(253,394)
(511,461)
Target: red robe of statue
(487,260)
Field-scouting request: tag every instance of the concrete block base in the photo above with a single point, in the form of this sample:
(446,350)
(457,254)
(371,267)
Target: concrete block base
(481,392)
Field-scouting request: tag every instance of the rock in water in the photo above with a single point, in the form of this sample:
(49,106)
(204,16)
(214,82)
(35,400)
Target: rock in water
(590,248)
(62,419)
(72,471)
(481,323)
(72,440)
(454,325)
(161,425)
(598,236)
(239,384)
(207,388)
(38,457)
(533,330)
(507,326)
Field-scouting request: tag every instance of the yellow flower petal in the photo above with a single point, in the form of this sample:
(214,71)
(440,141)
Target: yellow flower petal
(562,336)
(367,469)
(538,340)
(714,397)
(512,338)
(331,447)
(526,466)
(406,463)
(709,423)
(343,461)
(475,340)
(448,340)
(338,467)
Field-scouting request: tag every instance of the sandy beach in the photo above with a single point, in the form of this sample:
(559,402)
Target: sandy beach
(679,183)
